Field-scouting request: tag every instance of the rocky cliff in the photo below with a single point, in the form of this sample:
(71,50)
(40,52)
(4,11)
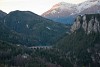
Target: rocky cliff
(88,22)
(82,47)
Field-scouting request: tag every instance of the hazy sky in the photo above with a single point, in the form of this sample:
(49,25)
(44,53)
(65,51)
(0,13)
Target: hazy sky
(36,6)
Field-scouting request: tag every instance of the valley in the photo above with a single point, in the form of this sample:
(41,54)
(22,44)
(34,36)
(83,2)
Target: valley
(78,48)
(67,35)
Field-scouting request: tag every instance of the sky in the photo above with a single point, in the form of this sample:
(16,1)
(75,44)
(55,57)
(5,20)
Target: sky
(36,6)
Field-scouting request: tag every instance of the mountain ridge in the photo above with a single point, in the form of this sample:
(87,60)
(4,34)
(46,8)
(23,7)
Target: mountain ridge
(60,15)
(27,28)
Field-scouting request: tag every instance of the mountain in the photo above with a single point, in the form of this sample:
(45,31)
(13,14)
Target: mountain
(82,46)
(27,28)
(60,12)
(89,7)
(2,15)
(66,12)
(62,7)
(21,29)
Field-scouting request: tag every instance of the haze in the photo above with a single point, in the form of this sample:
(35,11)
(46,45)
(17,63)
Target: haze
(36,6)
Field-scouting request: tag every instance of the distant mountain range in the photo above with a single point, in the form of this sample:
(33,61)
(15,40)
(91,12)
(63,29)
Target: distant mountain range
(27,28)
(66,12)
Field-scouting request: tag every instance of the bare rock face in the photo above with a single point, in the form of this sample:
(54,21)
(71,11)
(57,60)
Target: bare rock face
(77,24)
(89,22)
(84,25)
(90,25)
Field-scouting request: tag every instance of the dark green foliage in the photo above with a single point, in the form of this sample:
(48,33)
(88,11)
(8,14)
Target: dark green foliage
(2,15)
(77,46)
(77,49)
(13,55)
(14,33)
(27,28)
(12,36)
(53,56)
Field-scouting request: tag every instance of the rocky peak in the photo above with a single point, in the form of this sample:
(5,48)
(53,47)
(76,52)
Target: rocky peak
(89,23)
(59,10)
(63,5)
(77,23)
